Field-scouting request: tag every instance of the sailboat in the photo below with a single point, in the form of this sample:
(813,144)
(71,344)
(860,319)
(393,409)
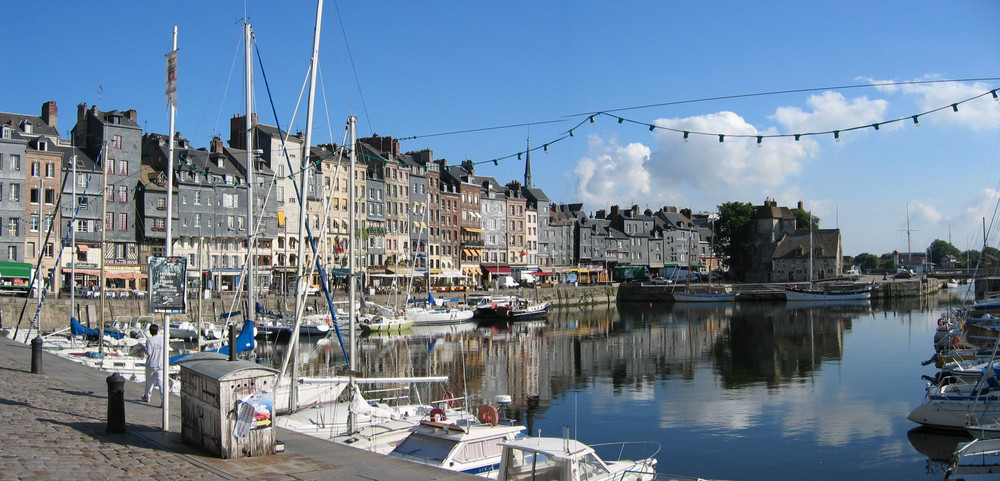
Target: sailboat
(827,291)
(709,293)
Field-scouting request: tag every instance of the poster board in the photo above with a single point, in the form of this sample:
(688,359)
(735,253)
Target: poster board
(167,285)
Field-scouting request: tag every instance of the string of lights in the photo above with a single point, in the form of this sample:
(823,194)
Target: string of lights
(591,118)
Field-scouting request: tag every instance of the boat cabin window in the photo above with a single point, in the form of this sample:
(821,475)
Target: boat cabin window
(527,465)
(592,468)
(425,447)
(478,450)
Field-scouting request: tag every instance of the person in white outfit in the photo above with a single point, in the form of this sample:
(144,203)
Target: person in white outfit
(154,362)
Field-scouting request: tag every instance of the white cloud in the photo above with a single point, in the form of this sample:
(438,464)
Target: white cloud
(831,111)
(981,113)
(612,172)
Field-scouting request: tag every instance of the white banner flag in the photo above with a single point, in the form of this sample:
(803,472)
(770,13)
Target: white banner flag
(172,79)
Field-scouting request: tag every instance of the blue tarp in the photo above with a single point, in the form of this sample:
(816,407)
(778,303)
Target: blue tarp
(227,315)
(78,329)
(244,342)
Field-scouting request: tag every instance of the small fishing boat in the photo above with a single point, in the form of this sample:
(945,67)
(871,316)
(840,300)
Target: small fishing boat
(838,291)
(705,294)
(431,311)
(380,323)
(515,308)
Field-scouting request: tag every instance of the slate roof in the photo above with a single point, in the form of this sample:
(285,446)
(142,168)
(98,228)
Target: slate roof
(40,127)
(796,244)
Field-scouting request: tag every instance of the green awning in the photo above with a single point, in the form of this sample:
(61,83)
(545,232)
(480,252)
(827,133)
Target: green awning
(15,269)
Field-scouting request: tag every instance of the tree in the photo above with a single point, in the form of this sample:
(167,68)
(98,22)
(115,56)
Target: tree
(940,249)
(867,262)
(804,220)
(734,237)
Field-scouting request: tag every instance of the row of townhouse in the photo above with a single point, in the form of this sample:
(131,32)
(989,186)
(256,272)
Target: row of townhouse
(414,214)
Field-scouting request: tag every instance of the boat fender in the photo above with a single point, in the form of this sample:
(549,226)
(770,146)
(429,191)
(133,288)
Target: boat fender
(437,411)
(366,321)
(955,340)
(328,321)
(488,414)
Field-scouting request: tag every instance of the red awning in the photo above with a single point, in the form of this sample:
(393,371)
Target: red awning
(540,273)
(498,270)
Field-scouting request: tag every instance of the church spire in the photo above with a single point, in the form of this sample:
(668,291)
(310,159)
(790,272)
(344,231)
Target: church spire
(527,166)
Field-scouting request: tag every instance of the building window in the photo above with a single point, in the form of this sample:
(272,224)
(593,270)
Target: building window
(15,162)
(33,223)
(109,221)
(13,229)
(82,203)
(123,167)
(122,193)
(33,196)
(111,167)
(47,250)
(50,196)
(12,253)
(109,194)
(50,170)
(36,169)
(15,192)
(197,197)
(122,221)
(116,142)
(81,180)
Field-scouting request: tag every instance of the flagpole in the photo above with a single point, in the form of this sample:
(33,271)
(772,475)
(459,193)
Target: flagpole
(172,100)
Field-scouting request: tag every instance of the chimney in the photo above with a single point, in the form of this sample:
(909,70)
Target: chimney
(635,209)
(132,115)
(81,112)
(600,214)
(216,145)
(800,205)
(614,212)
(50,114)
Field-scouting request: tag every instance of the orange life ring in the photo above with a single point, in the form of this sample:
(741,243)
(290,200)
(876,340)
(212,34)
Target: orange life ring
(488,414)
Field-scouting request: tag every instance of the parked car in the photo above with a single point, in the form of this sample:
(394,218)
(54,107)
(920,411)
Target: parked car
(904,274)
(661,280)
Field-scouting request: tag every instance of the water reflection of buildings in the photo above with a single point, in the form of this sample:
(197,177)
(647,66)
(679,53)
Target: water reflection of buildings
(631,347)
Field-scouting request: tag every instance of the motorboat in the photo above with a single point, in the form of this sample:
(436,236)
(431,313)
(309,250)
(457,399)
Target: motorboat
(957,405)
(380,323)
(976,459)
(431,311)
(514,308)
(563,459)
(466,445)
(184,330)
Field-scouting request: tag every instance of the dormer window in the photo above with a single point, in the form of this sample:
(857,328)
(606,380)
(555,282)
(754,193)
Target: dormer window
(218,162)
(43,146)
(5,131)
(27,127)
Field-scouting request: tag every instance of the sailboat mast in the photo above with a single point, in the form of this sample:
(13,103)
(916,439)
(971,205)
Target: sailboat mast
(304,182)
(168,251)
(248,124)
(352,281)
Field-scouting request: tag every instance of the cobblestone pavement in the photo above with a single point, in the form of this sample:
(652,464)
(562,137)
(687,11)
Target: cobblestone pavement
(54,431)
(54,427)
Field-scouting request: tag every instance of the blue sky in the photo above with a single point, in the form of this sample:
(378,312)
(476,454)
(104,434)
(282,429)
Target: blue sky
(427,68)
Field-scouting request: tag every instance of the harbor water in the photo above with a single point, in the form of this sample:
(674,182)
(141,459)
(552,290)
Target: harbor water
(744,391)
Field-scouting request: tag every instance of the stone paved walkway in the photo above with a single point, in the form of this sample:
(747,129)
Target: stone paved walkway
(52,427)
(53,431)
